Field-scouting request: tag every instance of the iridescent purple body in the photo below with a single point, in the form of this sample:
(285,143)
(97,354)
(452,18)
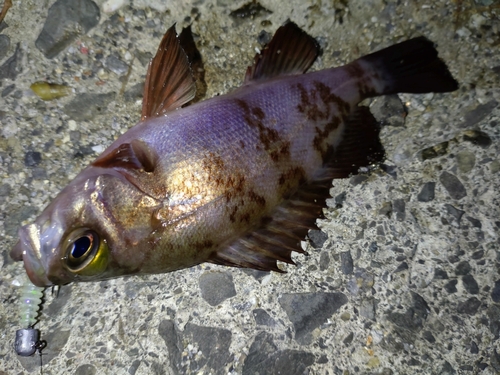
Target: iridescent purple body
(237,179)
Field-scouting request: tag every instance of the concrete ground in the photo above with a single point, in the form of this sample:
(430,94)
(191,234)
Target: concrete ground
(404,276)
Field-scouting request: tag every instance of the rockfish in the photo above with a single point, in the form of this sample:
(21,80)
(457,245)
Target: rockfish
(235,180)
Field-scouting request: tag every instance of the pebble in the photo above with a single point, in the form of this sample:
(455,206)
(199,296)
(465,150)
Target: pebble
(470,284)
(32,158)
(116,65)
(427,192)
(398,207)
(495,293)
(478,138)
(465,161)
(64,19)
(454,212)
(4,46)
(317,238)
(86,106)
(389,110)
(452,184)
(10,68)
(479,113)
(216,287)
(463,268)
(212,343)
(264,357)
(469,306)
(262,318)
(307,311)
(346,263)
(367,309)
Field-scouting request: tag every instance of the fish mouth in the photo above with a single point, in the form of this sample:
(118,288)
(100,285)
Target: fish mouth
(28,250)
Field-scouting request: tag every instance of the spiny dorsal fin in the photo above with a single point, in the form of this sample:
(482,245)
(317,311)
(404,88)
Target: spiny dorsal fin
(169,81)
(281,234)
(134,155)
(291,51)
(194,57)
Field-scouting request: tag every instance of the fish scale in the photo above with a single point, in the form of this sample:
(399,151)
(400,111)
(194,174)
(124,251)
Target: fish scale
(237,179)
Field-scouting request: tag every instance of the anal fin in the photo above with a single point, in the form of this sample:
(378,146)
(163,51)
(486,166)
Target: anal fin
(280,235)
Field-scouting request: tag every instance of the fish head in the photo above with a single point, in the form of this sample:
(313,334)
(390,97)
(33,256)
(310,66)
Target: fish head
(89,232)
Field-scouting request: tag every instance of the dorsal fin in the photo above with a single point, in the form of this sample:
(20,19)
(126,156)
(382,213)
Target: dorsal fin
(134,155)
(281,234)
(291,51)
(194,56)
(169,81)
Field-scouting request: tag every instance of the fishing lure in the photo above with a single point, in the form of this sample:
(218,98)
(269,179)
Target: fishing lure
(28,339)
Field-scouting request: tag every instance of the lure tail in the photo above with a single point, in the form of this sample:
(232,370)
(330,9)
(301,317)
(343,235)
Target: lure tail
(412,66)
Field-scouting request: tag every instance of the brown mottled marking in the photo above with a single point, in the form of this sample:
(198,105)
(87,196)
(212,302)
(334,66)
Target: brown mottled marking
(309,102)
(363,84)
(321,135)
(282,152)
(290,179)
(254,197)
(202,245)
(254,117)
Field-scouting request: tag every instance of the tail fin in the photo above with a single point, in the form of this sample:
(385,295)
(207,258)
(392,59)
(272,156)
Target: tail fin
(412,66)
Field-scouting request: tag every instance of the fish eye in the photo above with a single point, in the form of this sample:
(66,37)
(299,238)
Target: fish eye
(86,253)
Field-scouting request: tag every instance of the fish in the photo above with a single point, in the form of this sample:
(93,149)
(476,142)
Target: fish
(236,180)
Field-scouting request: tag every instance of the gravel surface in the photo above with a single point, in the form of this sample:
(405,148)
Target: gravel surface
(403,276)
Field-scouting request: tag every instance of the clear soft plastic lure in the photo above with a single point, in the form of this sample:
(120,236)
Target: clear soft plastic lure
(28,338)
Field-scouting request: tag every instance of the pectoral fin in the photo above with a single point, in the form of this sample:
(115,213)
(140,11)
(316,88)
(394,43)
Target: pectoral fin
(134,155)
(169,81)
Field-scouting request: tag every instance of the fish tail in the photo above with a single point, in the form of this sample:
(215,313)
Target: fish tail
(412,66)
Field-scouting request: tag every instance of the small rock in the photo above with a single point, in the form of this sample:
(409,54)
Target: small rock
(466,160)
(495,294)
(478,137)
(317,238)
(87,106)
(263,38)
(469,306)
(453,185)
(474,349)
(447,369)
(4,46)
(10,68)
(85,370)
(479,113)
(116,65)
(403,266)
(463,268)
(340,199)
(455,212)
(348,339)
(435,151)
(427,192)
(64,21)
(398,207)
(367,308)
(358,179)
(451,286)
(216,287)
(427,335)
(475,222)
(346,263)
(265,358)
(262,318)
(440,274)
(307,311)
(32,158)
(324,261)
(495,360)
(373,247)
(386,209)
(470,284)
(389,110)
